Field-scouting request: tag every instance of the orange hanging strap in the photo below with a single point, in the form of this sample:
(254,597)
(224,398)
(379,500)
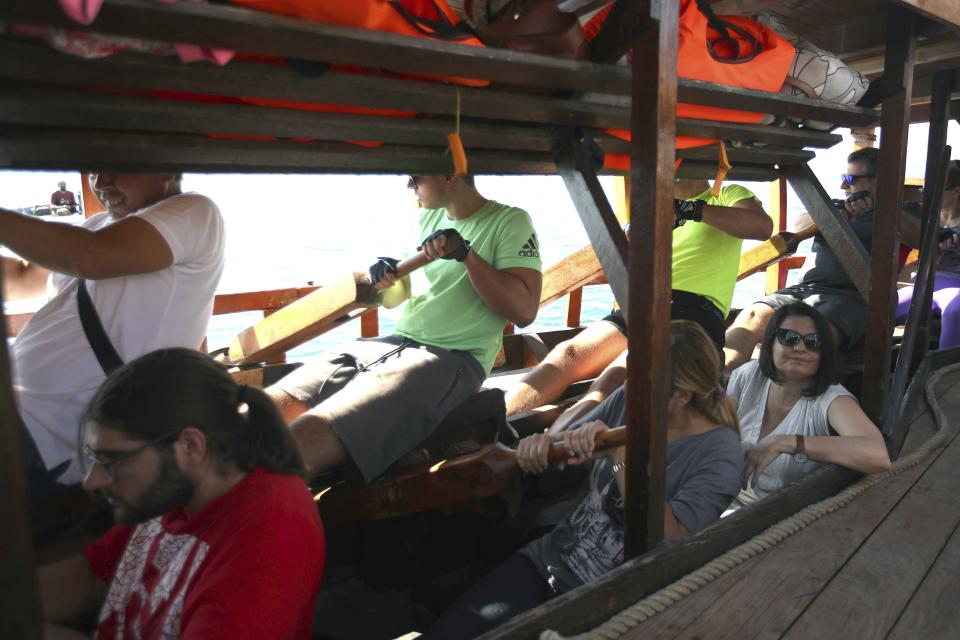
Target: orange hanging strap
(723,168)
(456,146)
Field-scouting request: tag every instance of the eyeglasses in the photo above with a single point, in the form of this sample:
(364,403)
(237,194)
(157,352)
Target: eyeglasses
(850,179)
(114,458)
(790,338)
(415,180)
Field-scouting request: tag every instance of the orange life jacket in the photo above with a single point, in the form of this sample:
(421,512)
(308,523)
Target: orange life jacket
(747,55)
(418,18)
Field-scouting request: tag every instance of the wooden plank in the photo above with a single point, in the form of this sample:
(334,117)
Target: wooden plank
(887,211)
(756,133)
(771,251)
(271,34)
(569,274)
(946,11)
(652,159)
(834,227)
(138,152)
(785,578)
(20,615)
(302,320)
(933,611)
(257,300)
(866,598)
(776,276)
(575,163)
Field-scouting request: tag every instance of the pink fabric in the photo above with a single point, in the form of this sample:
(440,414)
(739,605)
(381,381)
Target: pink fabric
(85,12)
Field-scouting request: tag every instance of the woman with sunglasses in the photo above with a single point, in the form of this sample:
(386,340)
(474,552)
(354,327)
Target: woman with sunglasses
(789,405)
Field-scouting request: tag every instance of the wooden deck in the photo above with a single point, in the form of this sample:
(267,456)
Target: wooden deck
(886,566)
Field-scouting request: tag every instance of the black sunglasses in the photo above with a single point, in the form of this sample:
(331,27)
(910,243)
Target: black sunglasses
(790,338)
(850,179)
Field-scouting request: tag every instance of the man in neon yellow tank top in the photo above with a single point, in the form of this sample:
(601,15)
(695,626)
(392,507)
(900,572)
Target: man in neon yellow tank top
(706,256)
(377,399)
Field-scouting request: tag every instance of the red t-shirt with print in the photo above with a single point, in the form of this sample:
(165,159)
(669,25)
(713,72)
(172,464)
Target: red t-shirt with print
(248,565)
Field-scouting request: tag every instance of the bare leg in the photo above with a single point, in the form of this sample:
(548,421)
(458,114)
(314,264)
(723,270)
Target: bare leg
(319,444)
(744,335)
(606,383)
(290,407)
(583,356)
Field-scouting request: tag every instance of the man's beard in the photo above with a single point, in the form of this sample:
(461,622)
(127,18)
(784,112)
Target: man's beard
(171,490)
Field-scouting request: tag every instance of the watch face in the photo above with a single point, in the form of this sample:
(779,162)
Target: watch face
(800,457)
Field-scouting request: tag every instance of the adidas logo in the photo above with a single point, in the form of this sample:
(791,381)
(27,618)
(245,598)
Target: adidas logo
(530,249)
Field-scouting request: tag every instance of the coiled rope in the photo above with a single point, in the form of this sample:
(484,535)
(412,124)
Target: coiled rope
(659,601)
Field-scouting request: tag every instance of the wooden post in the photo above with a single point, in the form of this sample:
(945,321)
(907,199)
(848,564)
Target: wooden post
(776,273)
(574,306)
(895,118)
(20,615)
(652,154)
(942,86)
(370,324)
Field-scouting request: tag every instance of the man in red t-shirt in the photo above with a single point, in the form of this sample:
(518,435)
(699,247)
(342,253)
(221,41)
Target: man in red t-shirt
(63,198)
(218,537)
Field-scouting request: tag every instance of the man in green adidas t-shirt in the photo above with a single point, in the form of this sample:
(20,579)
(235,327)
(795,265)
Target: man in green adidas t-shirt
(706,256)
(376,399)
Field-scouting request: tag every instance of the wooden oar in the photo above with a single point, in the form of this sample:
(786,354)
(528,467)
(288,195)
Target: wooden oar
(483,473)
(779,246)
(312,315)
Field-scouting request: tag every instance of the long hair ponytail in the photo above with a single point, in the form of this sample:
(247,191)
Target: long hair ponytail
(696,368)
(168,390)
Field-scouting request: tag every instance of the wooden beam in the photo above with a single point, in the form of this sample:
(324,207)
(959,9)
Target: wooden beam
(648,312)
(776,276)
(276,35)
(921,112)
(945,11)
(620,29)
(838,233)
(575,161)
(887,210)
(925,54)
(258,300)
(20,614)
(571,273)
(771,251)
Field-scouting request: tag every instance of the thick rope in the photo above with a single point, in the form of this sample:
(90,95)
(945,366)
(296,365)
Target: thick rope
(659,601)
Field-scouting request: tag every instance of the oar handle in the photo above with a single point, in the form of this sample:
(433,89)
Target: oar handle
(414,262)
(605,441)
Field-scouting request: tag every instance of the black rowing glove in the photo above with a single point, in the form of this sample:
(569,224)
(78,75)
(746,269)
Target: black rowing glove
(453,237)
(382,267)
(687,210)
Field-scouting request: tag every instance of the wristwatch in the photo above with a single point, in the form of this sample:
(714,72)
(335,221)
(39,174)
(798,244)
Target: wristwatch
(618,466)
(800,454)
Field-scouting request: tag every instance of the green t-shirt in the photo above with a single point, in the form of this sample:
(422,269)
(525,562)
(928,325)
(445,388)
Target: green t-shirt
(706,259)
(451,314)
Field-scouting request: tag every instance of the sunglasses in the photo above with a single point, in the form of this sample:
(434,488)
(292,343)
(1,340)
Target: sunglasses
(850,179)
(790,338)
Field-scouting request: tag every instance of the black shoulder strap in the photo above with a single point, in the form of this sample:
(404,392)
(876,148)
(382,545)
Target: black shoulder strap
(99,341)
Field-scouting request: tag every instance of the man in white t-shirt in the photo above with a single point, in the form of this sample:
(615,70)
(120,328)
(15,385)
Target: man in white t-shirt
(151,264)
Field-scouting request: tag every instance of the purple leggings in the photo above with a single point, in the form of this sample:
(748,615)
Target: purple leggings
(946,299)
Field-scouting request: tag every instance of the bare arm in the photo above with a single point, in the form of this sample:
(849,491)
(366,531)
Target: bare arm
(801,222)
(127,247)
(21,281)
(69,589)
(513,293)
(609,381)
(745,219)
(858,446)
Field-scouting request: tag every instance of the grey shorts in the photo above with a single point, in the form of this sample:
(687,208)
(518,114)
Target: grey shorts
(845,309)
(384,396)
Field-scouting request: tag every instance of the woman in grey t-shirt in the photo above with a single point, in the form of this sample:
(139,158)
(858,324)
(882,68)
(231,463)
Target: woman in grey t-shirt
(703,475)
(788,403)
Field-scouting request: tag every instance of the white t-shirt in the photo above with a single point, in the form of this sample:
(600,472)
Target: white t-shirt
(808,417)
(56,371)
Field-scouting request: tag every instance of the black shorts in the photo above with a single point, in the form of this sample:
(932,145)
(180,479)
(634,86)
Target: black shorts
(686,306)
